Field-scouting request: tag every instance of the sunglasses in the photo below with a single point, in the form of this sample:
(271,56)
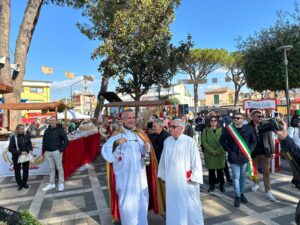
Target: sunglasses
(237,118)
(173,126)
(260,116)
(213,121)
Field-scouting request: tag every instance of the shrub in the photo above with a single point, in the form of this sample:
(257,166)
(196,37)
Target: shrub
(28,219)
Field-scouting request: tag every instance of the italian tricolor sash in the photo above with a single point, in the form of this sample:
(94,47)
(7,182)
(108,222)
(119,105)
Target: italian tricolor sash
(239,140)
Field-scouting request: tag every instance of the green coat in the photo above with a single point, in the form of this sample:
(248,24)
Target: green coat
(214,154)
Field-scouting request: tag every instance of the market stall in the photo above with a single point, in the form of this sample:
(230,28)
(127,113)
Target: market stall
(83,147)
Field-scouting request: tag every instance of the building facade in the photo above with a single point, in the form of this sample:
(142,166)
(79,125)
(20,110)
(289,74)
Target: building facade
(36,91)
(219,97)
(85,103)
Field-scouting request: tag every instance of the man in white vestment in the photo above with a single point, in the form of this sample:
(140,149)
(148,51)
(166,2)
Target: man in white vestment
(181,169)
(124,150)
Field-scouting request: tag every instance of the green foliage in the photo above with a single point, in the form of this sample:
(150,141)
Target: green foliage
(28,219)
(264,68)
(235,65)
(201,62)
(138,50)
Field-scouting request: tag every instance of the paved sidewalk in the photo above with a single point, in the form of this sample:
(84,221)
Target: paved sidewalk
(85,201)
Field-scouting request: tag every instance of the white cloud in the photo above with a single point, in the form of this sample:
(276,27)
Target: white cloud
(66,84)
(221,70)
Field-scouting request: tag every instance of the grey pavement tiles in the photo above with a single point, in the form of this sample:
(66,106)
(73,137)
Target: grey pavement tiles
(85,200)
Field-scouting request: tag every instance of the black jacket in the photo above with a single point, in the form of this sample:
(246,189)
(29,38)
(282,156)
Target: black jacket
(289,145)
(234,153)
(157,141)
(55,139)
(265,143)
(24,144)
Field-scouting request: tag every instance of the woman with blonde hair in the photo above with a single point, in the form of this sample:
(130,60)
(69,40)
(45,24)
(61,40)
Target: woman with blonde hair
(20,144)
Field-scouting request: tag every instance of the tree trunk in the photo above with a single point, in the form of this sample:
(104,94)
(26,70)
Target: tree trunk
(236,94)
(196,96)
(104,86)
(27,28)
(4,47)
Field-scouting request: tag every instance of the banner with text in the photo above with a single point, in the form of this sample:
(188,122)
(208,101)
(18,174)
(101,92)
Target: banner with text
(39,167)
(260,104)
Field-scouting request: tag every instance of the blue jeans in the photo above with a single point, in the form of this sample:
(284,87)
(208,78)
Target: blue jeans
(239,178)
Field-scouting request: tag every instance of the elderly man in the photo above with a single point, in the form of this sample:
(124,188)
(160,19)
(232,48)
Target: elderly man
(125,151)
(181,169)
(158,137)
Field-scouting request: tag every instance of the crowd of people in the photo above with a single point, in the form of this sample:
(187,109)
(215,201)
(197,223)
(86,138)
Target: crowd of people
(172,148)
(177,147)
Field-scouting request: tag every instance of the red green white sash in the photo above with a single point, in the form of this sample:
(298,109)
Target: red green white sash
(239,140)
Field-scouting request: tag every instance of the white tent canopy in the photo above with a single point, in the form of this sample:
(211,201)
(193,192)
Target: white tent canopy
(71,114)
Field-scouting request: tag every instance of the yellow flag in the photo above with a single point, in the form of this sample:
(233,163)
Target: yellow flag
(47,70)
(69,75)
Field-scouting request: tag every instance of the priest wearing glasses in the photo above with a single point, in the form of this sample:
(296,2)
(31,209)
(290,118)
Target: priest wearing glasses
(181,169)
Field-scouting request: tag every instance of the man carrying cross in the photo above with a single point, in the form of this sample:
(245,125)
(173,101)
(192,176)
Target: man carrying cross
(239,140)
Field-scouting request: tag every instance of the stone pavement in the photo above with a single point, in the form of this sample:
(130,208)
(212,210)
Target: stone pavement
(85,201)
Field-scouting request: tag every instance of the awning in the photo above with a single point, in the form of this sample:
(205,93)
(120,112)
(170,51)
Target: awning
(137,103)
(4,88)
(111,96)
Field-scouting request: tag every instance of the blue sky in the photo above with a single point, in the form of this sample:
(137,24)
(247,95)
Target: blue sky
(58,43)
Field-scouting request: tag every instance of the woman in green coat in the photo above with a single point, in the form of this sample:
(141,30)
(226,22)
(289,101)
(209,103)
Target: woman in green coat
(214,154)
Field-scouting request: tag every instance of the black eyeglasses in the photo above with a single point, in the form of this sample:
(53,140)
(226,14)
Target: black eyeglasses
(260,116)
(173,126)
(237,118)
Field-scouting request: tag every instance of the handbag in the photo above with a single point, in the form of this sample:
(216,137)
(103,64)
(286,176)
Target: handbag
(23,158)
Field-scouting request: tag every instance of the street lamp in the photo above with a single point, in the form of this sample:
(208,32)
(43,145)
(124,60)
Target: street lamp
(71,88)
(285,62)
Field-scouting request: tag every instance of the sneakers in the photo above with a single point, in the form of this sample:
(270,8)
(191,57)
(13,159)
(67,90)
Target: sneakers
(237,202)
(270,196)
(49,187)
(244,199)
(61,187)
(255,187)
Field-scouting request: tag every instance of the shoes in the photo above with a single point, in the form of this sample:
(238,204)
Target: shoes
(211,188)
(61,187)
(255,187)
(244,199)
(19,188)
(270,196)
(26,186)
(237,202)
(49,187)
(222,189)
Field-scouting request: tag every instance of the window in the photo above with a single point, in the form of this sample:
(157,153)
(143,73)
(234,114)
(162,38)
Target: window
(36,90)
(216,99)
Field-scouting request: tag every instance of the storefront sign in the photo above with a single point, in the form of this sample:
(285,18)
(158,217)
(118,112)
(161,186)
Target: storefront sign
(260,104)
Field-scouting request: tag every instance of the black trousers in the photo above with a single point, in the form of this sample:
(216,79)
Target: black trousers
(212,179)
(226,170)
(25,167)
